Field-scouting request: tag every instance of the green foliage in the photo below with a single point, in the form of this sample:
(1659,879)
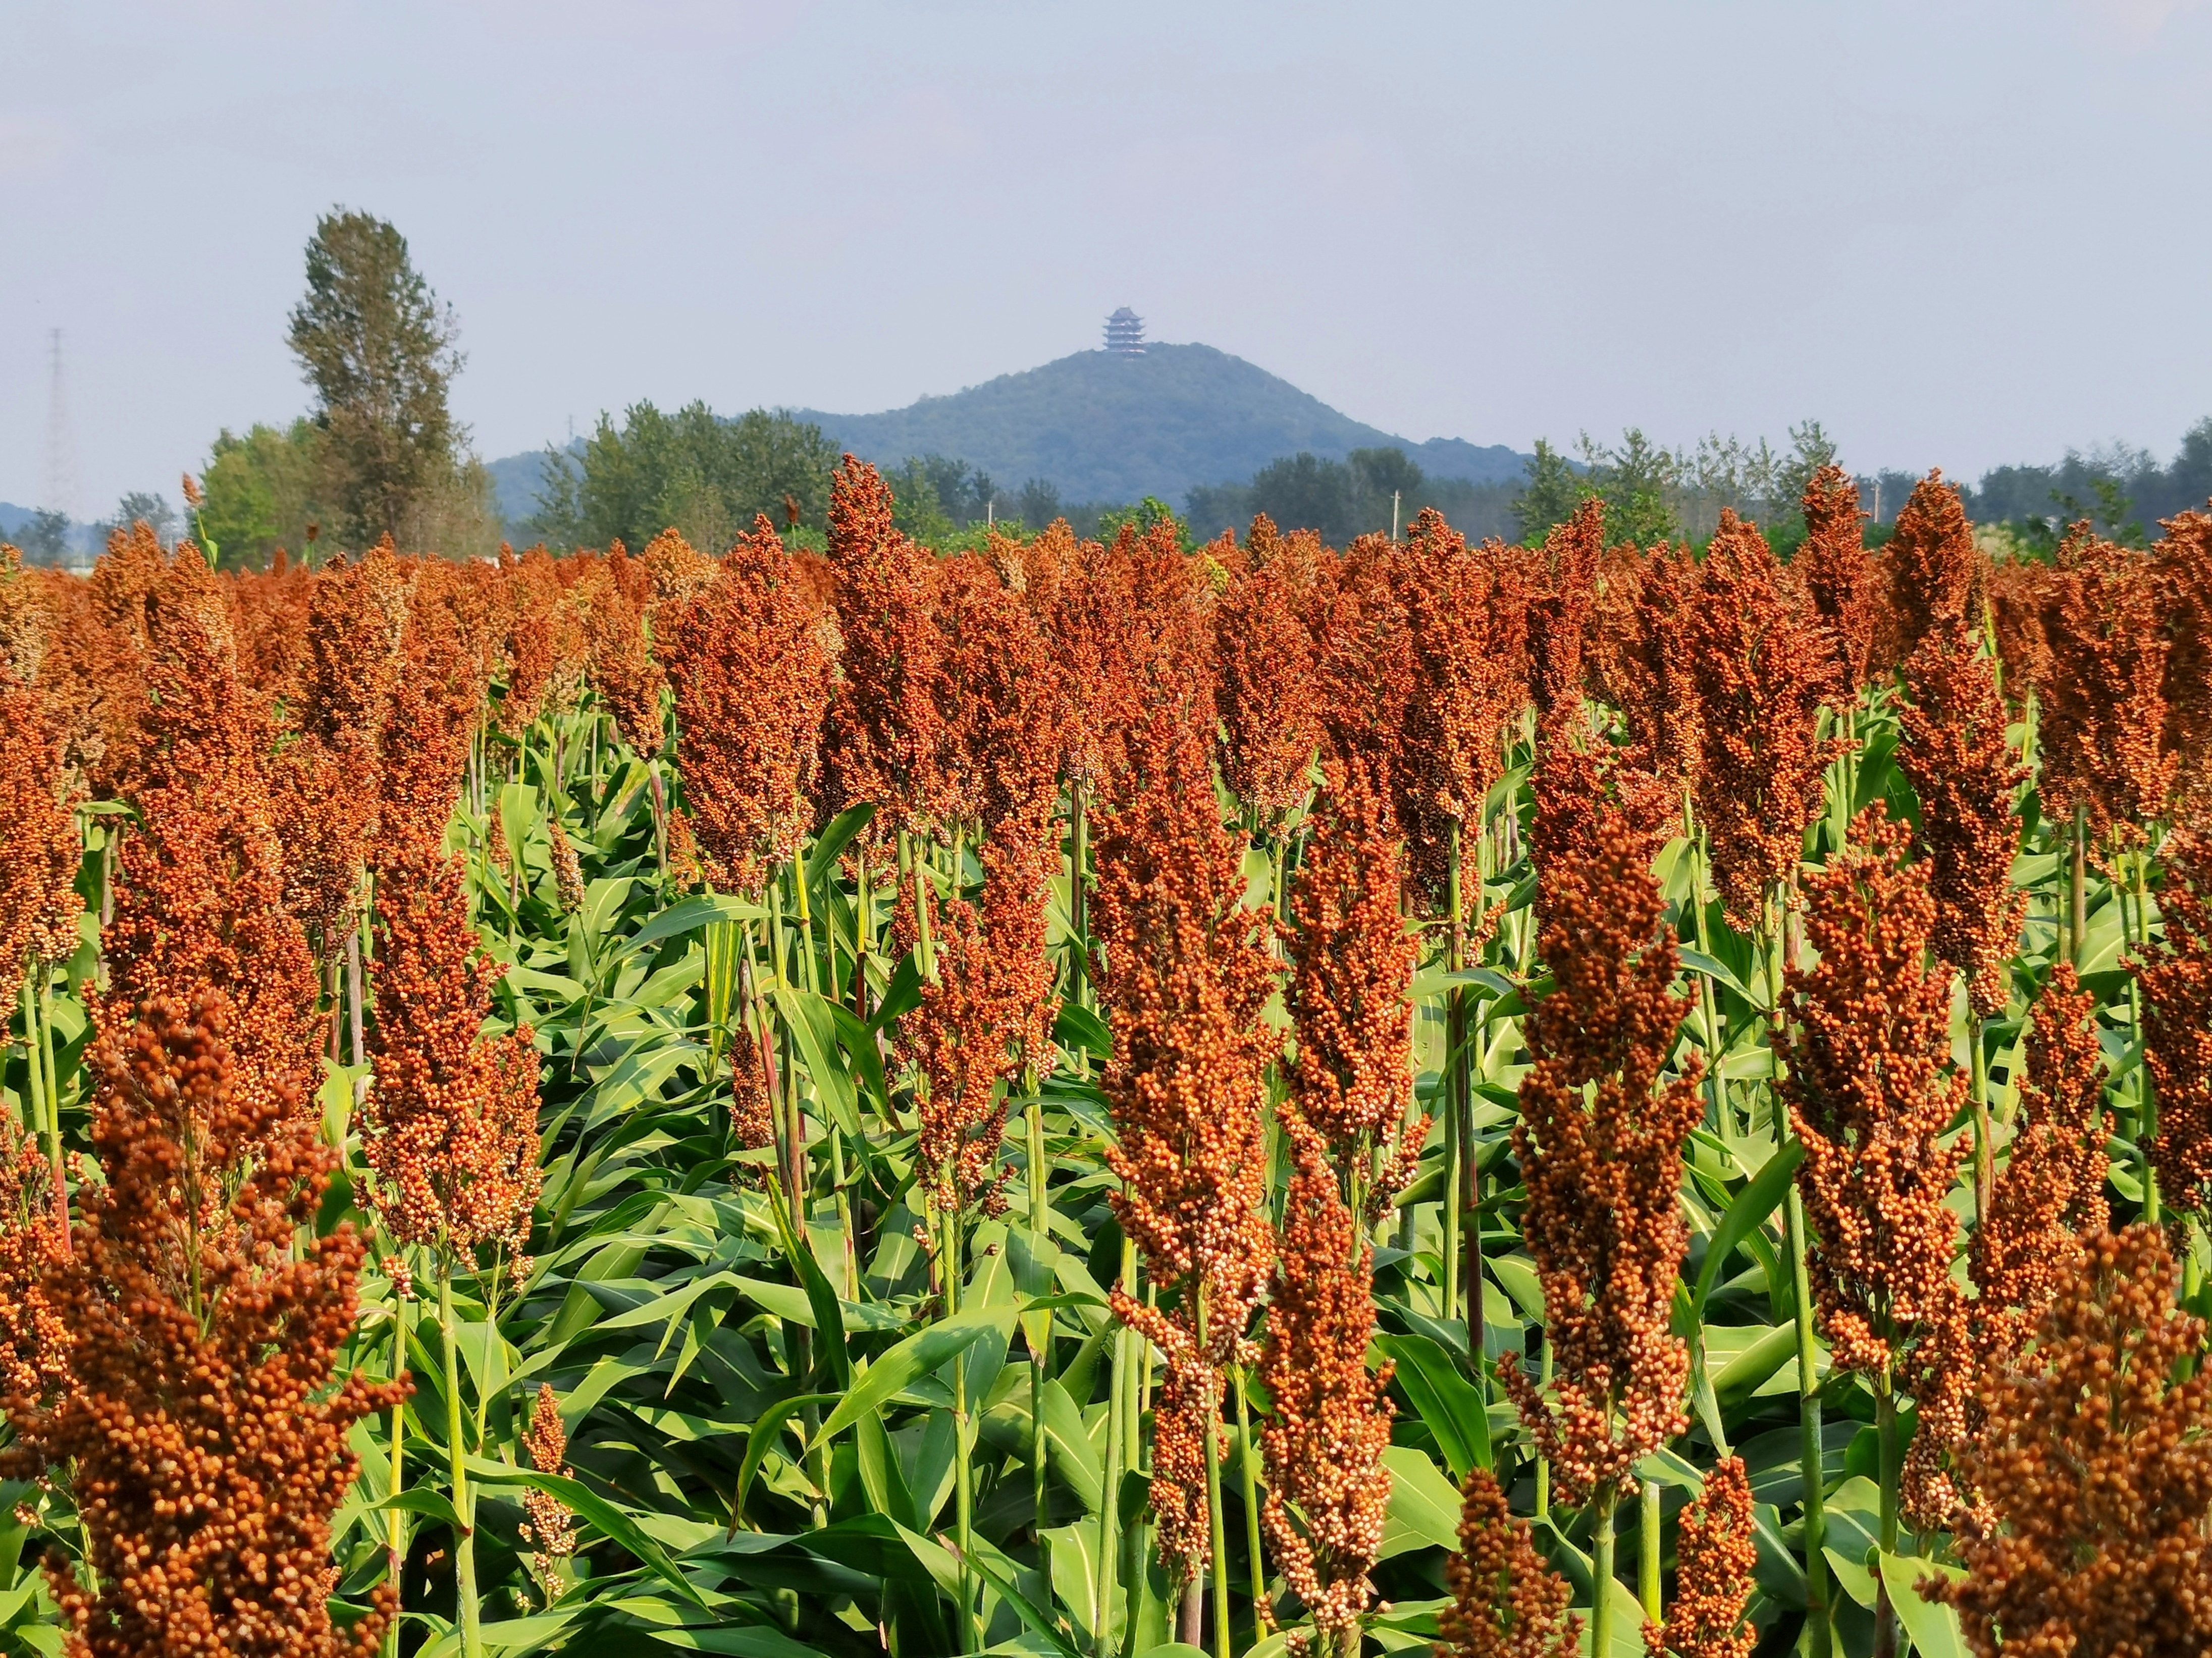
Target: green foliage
(1364,492)
(1550,494)
(692,472)
(1107,427)
(1145,517)
(378,349)
(46,538)
(262,492)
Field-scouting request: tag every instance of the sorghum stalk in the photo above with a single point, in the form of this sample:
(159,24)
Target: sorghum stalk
(1809,1453)
(395,1550)
(1603,1502)
(1647,1554)
(964,1484)
(1892,1473)
(1246,1459)
(1457,1151)
(2146,1096)
(1110,1496)
(2078,890)
(465,1542)
(1040,1353)
(1213,1507)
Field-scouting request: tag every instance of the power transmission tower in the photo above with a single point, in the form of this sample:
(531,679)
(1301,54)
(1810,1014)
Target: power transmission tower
(61,450)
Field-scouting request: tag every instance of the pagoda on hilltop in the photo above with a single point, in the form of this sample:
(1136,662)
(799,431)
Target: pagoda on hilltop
(1125,333)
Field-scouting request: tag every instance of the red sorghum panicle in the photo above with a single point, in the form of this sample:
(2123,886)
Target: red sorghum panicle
(999,709)
(431,716)
(1187,973)
(609,597)
(2017,592)
(1872,1093)
(541,641)
(1132,628)
(1467,607)
(1642,658)
(986,1016)
(882,721)
(2095,1465)
(2184,560)
(2053,1188)
(750,656)
(1956,755)
(207,1442)
(200,894)
(2177,994)
(1717,1558)
(1933,568)
(1352,974)
(1270,697)
(1560,608)
(39,846)
(1331,1419)
(34,1342)
(1507,1602)
(326,782)
(1365,670)
(1840,579)
(2104,700)
(568,871)
(1761,669)
(452,1116)
(1599,1142)
(548,1527)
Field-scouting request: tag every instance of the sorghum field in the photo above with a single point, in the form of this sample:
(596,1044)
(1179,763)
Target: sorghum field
(892,1102)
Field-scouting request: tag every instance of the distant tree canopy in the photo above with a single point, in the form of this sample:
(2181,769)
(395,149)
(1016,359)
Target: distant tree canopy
(692,471)
(1342,499)
(2123,491)
(46,538)
(262,491)
(379,351)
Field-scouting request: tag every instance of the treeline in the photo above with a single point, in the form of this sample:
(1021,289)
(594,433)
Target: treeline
(1370,490)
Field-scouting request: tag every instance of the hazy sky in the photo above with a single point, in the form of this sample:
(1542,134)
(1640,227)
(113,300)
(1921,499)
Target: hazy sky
(1957,233)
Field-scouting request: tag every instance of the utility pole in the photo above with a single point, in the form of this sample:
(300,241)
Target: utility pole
(1393,513)
(61,458)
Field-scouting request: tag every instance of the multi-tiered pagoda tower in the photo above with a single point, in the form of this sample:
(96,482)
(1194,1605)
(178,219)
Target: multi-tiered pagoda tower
(1125,333)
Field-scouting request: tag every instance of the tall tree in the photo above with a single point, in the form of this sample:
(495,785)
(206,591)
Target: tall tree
(379,349)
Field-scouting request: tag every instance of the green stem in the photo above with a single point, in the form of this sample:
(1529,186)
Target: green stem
(1543,1463)
(1109,1495)
(2078,891)
(46,1093)
(1455,1147)
(1985,1149)
(964,1484)
(1885,1420)
(1819,1626)
(1247,1463)
(1647,1554)
(1601,1578)
(464,1543)
(1217,1521)
(1079,890)
(396,1548)
(2146,1115)
(1140,1538)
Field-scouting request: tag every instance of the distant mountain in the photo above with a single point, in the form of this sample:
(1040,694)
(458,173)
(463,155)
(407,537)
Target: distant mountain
(1103,426)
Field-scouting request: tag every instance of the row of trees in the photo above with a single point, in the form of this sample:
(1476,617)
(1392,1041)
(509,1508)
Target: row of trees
(380,453)
(1367,490)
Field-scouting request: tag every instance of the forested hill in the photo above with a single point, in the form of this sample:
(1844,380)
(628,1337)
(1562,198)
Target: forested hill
(1102,427)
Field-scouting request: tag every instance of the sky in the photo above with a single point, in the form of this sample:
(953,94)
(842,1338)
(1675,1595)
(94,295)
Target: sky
(1957,235)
